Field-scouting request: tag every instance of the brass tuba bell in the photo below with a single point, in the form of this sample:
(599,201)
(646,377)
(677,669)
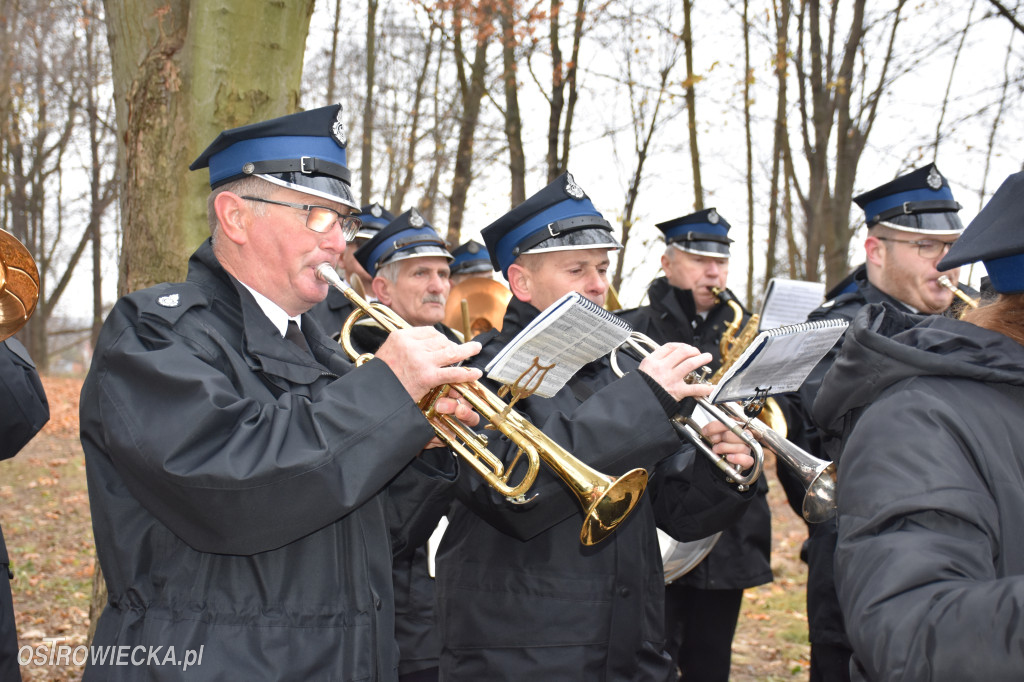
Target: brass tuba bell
(475,306)
(19,285)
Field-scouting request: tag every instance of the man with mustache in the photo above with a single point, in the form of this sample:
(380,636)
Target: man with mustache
(409,266)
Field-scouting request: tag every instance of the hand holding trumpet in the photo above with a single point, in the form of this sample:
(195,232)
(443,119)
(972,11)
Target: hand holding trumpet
(422,358)
(672,365)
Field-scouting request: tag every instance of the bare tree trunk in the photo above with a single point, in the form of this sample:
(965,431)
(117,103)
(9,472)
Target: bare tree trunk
(691,108)
(748,77)
(366,154)
(472,90)
(332,64)
(557,99)
(781,138)
(165,56)
(513,121)
(570,110)
(826,91)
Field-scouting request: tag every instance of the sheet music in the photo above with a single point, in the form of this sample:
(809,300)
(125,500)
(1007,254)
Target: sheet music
(778,360)
(572,332)
(789,301)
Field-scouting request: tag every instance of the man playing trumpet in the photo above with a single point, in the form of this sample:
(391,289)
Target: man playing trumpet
(519,596)
(703,606)
(238,465)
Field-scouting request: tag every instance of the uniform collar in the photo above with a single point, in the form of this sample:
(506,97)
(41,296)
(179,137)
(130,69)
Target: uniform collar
(278,316)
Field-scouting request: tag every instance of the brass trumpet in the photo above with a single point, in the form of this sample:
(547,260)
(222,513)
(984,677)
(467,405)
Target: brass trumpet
(957,291)
(606,500)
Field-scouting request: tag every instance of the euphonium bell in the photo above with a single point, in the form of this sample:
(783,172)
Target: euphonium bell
(606,500)
(19,285)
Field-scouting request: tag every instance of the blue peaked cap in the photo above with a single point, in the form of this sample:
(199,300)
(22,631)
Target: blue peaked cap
(919,201)
(471,257)
(303,151)
(559,217)
(407,236)
(375,218)
(996,238)
(705,233)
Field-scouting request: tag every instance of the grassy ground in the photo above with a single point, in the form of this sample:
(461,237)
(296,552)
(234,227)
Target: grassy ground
(44,510)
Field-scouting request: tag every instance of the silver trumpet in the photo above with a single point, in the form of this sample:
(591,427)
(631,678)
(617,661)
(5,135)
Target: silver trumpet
(686,427)
(817,476)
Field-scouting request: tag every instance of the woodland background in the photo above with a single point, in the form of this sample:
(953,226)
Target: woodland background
(776,112)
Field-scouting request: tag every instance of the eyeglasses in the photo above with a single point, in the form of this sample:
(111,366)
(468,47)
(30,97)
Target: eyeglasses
(926,248)
(320,218)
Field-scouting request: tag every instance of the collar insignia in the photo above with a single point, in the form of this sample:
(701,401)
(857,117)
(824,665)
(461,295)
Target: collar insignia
(170,301)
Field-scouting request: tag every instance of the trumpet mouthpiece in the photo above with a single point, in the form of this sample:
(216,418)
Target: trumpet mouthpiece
(327,273)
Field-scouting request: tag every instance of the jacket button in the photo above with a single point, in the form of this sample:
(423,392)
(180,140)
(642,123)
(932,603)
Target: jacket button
(377,603)
(623,591)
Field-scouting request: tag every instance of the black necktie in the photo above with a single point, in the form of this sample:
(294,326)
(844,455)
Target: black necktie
(294,334)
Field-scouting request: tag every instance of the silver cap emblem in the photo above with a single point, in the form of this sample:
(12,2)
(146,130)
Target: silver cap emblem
(375,211)
(713,216)
(170,301)
(415,219)
(934,178)
(572,189)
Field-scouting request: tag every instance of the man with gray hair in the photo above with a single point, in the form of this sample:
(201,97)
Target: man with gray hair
(248,485)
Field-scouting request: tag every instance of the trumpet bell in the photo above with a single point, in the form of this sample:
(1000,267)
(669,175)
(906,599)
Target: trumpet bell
(609,505)
(820,499)
(486,301)
(19,285)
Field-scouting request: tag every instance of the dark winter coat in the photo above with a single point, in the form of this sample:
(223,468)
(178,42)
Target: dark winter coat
(824,618)
(519,597)
(930,563)
(419,643)
(23,411)
(740,558)
(246,497)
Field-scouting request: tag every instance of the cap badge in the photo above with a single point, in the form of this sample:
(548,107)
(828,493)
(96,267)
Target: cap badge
(338,129)
(415,219)
(713,216)
(934,178)
(473,247)
(170,301)
(375,211)
(572,189)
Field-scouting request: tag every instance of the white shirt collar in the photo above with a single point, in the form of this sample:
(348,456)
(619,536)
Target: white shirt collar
(276,313)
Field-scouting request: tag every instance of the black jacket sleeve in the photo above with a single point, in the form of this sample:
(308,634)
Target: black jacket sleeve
(23,406)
